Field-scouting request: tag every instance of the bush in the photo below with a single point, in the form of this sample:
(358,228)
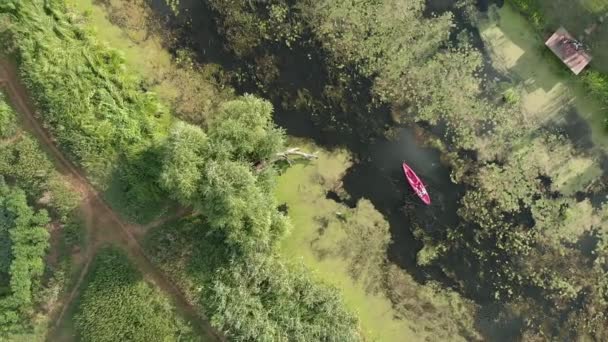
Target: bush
(597,84)
(24,240)
(24,164)
(118,305)
(266,300)
(8,124)
(257,297)
(531,9)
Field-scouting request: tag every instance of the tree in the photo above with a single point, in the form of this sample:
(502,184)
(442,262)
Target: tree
(184,158)
(262,299)
(233,203)
(376,36)
(244,130)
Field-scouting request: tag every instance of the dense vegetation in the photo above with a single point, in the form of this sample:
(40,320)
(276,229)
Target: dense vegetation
(117,132)
(518,242)
(118,305)
(253,299)
(31,194)
(95,109)
(24,240)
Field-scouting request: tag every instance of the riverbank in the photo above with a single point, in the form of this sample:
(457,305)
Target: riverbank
(347,248)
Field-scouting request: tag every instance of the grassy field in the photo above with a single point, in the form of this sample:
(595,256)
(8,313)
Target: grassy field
(582,19)
(550,98)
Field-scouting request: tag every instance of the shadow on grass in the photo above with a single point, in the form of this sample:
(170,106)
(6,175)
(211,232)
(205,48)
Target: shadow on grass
(134,191)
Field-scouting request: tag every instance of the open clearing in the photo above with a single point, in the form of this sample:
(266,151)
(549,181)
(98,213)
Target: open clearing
(551,97)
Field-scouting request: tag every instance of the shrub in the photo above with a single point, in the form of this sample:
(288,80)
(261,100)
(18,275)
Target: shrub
(118,305)
(24,240)
(531,9)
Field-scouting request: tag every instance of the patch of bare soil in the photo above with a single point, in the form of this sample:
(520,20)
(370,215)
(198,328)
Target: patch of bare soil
(102,223)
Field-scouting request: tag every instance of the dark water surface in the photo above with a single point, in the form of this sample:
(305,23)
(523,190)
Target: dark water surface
(378,177)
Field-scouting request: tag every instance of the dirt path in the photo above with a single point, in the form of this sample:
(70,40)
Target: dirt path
(103,224)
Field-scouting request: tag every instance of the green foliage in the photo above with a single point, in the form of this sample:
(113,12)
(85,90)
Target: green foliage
(256,297)
(422,75)
(531,9)
(518,235)
(118,305)
(31,175)
(244,130)
(8,124)
(27,241)
(378,37)
(102,118)
(511,96)
(25,164)
(233,202)
(245,31)
(597,83)
(267,301)
(10,5)
(92,106)
(184,157)
(213,173)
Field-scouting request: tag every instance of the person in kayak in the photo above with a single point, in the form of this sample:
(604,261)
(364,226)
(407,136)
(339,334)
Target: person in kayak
(421,192)
(416,184)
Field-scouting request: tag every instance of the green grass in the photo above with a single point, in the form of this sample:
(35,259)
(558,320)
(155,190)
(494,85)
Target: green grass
(347,248)
(577,16)
(549,90)
(188,87)
(303,188)
(143,55)
(118,304)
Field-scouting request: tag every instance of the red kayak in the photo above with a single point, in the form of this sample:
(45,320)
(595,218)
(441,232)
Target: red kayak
(416,184)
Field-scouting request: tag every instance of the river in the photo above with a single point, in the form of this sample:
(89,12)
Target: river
(376,173)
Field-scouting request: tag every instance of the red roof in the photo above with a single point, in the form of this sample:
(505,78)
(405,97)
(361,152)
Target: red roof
(563,46)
